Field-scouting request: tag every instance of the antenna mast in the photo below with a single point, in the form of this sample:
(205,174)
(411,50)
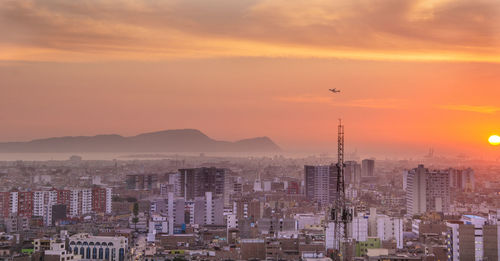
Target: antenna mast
(340,213)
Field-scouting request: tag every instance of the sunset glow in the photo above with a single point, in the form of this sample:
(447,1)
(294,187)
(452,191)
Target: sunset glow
(427,69)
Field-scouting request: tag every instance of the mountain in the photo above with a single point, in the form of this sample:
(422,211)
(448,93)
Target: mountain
(185,140)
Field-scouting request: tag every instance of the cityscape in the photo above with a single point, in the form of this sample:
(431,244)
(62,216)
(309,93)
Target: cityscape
(140,130)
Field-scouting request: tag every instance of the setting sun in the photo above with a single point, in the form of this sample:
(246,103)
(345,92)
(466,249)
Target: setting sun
(494,140)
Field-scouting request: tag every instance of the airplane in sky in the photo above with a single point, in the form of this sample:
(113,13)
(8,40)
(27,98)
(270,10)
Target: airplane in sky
(334,90)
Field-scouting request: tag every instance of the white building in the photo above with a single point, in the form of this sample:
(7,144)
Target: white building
(13,201)
(42,205)
(109,200)
(257,185)
(231,221)
(310,220)
(390,228)
(157,224)
(57,248)
(385,227)
(99,247)
(360,228)
(80,202)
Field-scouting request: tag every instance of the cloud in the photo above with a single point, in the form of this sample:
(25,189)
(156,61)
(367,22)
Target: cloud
(472,108)
(359,103)
(445,30)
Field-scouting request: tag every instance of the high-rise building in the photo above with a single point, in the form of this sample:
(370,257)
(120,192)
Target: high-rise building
(473,238)
(171,207)
(368,167)
(101,200)
(352,173)
(42,205)
(58,213)
(427,191)
(462,179)
(142,181)
(321,183)
(196,182)
(39,203)
(208,210)
(359,228)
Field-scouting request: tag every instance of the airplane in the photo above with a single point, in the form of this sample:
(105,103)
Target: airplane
(334,90)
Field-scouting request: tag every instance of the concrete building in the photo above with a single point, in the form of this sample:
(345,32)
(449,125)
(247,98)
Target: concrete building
(462,179)
(390,228)
(208,210)
(368,168)
(99,247)
(321,183)
(142,181)
(58,213)
(157,224)
(359,228)
(196,182)
(427,191)
(473,238)
(352,173)
(245,208)
(58,252)
(172,207)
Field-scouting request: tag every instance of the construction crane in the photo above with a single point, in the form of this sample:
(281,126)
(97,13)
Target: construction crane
(340,213)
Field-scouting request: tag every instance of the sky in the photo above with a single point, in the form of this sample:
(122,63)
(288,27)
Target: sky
(413,74)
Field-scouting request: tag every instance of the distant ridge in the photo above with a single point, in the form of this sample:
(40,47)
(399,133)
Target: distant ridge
(182,140)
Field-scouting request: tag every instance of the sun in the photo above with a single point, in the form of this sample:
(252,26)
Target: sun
(494,140)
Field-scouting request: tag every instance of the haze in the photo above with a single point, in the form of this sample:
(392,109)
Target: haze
(413,74)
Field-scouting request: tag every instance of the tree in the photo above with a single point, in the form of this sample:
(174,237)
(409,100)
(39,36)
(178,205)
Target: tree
(135,211)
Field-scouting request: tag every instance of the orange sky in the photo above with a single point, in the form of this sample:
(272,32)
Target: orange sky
(413,74)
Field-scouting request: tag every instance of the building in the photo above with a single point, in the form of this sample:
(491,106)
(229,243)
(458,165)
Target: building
(208,210)
(427,191)
(98,247)
(58,213)
(390,228)
(246,208)
(359,228)
(472,238)
(172,207)
(352,173)
(368,168)
(14,223)
(57,252)
(142,181)
(253,249)
(321,183)
(39,204)
(196,182)
(101,200)
(157,224)
(42,205)
(462,179)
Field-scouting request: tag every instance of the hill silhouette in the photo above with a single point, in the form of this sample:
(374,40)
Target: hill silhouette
(182,140)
